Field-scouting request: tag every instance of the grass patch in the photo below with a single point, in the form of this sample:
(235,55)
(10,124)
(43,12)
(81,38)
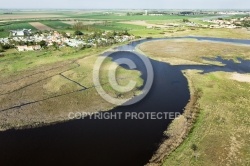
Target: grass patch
(68,73)
(56,24)
(118,26)
(221,33)
(18,61)
(221,132)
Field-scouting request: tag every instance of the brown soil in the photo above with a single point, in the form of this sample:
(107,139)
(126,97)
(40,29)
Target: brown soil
(40,26)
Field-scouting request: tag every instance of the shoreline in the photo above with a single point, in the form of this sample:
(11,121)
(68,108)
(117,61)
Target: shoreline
(184,123)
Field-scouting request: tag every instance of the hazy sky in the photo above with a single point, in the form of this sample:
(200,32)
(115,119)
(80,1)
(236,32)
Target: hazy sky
(132,4)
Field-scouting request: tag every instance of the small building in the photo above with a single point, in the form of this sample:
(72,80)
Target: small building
(20,33)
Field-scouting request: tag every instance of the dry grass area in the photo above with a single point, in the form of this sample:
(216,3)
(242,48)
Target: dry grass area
(221,134)
(40,26)
(191,51)
(143,23)
(222,33)
(84,22)
(46,94)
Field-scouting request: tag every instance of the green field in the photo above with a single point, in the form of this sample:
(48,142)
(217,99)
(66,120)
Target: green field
(56,24)
(114,26)
(100,16)
(15,61)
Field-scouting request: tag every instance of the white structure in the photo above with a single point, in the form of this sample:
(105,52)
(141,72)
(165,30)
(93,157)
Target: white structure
(21,33)
(28,48)
(74,42)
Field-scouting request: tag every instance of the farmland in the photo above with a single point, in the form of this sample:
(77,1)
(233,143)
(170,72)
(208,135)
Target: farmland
(23,15)
(120,21)
(56,24)
(118,26)
(40,26)
(123,16)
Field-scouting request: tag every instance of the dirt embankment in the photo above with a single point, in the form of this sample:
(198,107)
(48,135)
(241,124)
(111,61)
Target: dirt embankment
(179,129)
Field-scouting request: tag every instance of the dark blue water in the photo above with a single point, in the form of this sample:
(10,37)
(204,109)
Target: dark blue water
(111,142)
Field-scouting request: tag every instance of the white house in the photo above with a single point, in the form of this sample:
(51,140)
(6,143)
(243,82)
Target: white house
(21,33)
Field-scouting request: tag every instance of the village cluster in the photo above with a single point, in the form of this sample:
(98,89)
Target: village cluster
(26,40)
(214,23)
(228,23)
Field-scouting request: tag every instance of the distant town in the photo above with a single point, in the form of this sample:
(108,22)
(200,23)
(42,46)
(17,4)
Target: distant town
(26,40)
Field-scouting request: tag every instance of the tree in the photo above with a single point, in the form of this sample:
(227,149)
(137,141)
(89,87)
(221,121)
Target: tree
(246,23)
(185,20)
(126,33)
(1,48)
(78,33)
(55,45)
(114,33)
(78,26)
(106,23)
(43,44)
(6,46)
(194,147)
